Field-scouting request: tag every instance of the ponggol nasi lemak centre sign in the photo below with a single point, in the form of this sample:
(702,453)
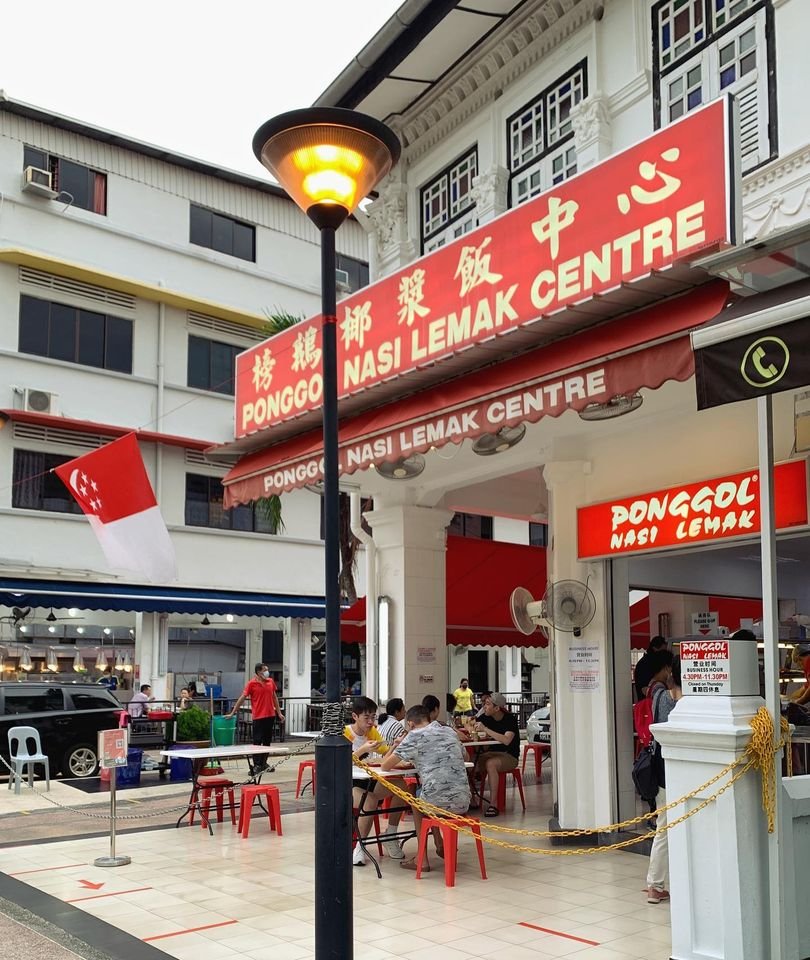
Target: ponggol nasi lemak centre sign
(692,514)
(659,202)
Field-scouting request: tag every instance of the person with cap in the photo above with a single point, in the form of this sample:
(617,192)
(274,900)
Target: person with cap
(500,725)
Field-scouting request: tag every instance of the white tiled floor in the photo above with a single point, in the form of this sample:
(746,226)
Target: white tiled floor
(260,893)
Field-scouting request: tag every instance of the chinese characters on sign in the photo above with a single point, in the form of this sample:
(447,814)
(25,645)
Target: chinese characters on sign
(716,509)
(653,205)
(583,666)
(706,623)
(705,667)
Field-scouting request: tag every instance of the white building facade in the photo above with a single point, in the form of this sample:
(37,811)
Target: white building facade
(495,103)
(129,279)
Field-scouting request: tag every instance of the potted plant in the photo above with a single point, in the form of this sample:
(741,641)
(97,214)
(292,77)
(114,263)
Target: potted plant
(194,727)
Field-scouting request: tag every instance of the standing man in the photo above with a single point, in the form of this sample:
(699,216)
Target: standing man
(264,705)
(464,699)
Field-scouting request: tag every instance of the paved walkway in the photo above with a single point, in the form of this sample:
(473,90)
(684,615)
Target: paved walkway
(197,897)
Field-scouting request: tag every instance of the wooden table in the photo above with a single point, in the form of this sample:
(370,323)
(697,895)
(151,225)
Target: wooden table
(200,755)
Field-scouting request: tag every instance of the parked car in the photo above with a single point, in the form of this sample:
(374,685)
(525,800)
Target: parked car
(67,716)
(538,726)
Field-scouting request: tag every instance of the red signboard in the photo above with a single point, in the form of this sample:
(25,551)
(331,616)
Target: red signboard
(641,210)
(695,513)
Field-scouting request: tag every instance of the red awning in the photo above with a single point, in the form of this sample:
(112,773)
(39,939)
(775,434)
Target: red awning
(103,429)
(481,575)
(643,349)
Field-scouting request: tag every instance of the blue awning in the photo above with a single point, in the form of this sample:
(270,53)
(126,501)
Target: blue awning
(152,599)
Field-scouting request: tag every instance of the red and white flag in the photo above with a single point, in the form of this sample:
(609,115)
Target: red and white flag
(112,487)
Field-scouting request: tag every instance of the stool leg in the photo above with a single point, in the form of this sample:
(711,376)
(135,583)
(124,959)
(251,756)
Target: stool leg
(420,855)
(247,809)
(501,799)
(274,804)
(519,781)
(206,807)
(195,793)
(232,805)
(300,778)
(220,797)
(538,762)
(480,848)
(525,754)
(450,855)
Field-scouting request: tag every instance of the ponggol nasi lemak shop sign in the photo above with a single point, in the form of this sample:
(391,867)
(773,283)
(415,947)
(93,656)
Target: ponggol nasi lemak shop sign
(695,513)
(659,202)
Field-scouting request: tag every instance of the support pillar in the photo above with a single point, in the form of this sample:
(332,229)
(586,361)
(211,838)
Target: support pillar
(297,670)
(490,190)
(582,711)
(411,544)
(718,859)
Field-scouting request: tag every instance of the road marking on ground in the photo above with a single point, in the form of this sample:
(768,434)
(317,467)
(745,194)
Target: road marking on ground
(558,933)
(98,896)
(179,933)
(89,885)
(67,866)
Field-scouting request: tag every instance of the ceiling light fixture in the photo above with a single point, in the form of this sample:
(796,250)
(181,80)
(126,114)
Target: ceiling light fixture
(127,666)
(101,661)
(617,406)
(52,661)
(25,660)
(78,663)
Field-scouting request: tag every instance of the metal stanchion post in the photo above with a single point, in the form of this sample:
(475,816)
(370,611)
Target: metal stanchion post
(112,860)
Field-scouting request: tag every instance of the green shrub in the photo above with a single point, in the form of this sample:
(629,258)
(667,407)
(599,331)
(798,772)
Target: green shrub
(193,724)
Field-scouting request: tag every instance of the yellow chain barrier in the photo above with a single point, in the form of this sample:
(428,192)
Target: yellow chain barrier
(759,754)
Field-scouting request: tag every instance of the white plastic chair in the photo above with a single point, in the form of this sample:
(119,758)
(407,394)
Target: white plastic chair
(18,739)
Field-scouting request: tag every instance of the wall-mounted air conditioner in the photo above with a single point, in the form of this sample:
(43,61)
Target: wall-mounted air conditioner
(342,281)
(41,401)
(38,182)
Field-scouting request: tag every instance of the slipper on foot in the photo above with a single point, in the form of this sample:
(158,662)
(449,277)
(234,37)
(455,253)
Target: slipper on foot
(411,865)
(491,812)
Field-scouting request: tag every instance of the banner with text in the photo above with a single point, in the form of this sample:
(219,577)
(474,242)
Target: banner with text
(692,514)
(662,201)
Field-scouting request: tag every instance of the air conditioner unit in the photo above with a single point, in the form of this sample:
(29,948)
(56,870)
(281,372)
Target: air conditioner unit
(40,401)
(342,281)
(39,182)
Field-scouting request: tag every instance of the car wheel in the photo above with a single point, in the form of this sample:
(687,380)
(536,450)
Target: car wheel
(80,760)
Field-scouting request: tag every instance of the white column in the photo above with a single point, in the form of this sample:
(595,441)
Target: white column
(509,679)
(411,544)
(490,190)
(718,859)
(582,719)
(389,218)
(297,670)
(147,655)
(592,133)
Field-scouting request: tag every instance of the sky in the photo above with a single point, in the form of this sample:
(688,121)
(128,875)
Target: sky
(196,78)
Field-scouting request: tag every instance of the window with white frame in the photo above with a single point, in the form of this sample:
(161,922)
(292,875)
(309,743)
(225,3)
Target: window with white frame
(448,208)
(708,48)
(539,135)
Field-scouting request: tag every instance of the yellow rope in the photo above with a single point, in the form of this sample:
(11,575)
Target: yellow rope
(760,754)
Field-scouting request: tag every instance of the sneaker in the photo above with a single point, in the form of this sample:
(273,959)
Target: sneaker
(654,895)
(393,849)
(359,858)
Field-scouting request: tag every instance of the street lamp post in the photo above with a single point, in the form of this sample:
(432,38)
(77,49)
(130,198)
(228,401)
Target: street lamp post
(328,160)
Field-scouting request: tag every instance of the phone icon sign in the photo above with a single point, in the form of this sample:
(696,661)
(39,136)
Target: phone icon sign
(765,362)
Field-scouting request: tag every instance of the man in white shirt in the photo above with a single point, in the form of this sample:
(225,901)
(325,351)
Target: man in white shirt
(137,705)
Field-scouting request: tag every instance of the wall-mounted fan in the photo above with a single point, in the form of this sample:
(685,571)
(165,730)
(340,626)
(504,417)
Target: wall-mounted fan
(215,623)
(567,605)
(18,614)
(318,641)
(52,618)
(499,442)
(403,469)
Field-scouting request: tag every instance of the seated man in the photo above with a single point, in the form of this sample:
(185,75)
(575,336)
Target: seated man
(501,725)
(435,752)
(366,740)
(137,705)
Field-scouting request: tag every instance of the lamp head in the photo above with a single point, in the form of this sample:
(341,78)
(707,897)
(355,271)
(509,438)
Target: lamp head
(326,158)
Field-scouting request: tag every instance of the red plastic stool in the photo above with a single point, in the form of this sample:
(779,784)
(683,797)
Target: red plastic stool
(537,749)
(517,778)
(252,792)
(302,766)
(218,787)
(450,838)
(389,799)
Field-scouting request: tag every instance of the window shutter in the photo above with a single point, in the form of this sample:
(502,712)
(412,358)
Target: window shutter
(751,97)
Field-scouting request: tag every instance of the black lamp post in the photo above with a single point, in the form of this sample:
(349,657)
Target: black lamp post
(328,160)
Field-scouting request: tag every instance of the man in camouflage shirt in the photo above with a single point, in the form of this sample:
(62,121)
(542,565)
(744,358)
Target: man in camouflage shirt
(438,757)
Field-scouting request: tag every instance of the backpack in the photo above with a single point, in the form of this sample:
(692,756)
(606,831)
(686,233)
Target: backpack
(642,718)
(648,767)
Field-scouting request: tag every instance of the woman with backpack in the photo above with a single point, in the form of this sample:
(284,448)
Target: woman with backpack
(664,691)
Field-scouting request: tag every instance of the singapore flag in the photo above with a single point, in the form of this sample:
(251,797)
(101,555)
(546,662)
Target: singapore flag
(112,487)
